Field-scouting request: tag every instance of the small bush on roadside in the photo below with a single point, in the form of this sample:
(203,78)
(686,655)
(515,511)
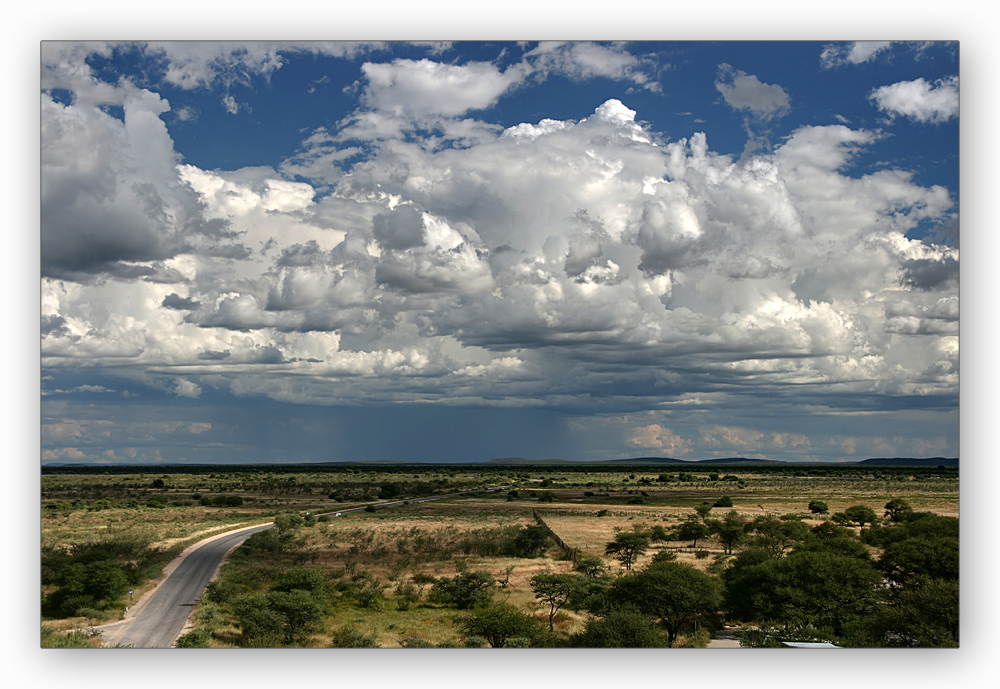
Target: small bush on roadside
(196,638)
(74,639)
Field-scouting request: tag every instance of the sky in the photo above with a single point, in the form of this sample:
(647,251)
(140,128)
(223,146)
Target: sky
(457,251)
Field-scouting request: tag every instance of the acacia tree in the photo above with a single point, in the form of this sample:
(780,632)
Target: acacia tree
(670,592)
(692,530)
(775,534)
(861,515)
(627,547)
(897,509)
(554,589)
(731,531)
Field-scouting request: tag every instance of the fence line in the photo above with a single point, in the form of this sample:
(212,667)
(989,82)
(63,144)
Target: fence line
(554,535)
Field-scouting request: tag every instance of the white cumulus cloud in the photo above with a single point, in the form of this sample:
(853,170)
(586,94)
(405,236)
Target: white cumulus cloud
(919,99)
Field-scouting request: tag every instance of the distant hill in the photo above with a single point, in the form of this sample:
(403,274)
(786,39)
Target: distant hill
(911,462)
(634,460)
(521,461)
(878,461)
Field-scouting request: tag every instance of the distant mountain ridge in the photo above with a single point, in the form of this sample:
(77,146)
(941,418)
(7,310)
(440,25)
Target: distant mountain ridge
(521,461)
(876,461)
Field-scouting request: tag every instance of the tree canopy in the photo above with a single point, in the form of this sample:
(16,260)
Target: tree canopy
(669,592)
(627,547)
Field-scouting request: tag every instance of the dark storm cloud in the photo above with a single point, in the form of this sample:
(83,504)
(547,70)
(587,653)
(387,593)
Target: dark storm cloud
(179,303)
(233,251)
(925,273)
(53,324)
(401,228)
(300,255)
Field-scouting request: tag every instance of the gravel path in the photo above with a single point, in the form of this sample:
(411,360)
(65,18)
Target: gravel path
(724,638)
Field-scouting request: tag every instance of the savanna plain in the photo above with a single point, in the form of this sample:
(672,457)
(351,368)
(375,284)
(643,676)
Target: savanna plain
(555,555)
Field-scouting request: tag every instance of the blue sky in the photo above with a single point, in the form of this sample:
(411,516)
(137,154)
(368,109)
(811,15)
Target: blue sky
(460,251)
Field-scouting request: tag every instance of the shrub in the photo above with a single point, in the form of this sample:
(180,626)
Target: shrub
(73,639)
(530,541)
(260,626)
(302,578)
(724,501)
(407,593)
(590,566)
(818,507)
(658,533)
(101,580)
(196,638)
(287,522)
(500,624)
(268,541)
(351,637)
(371,594)
(465,591)
(620,629)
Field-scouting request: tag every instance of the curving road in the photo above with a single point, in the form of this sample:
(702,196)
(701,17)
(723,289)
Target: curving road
(157,620)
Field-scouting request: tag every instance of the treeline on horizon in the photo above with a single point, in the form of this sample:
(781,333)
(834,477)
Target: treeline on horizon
(803,470)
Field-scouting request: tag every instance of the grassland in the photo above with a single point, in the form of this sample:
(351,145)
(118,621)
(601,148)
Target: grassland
(375,560)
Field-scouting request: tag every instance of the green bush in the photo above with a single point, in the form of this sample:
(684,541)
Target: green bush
(267,541)
(500,624)
(196,638)
(302,578)
(465,591)
(724,501)
(620,629)
(101,580)
(530,541)
(351,637)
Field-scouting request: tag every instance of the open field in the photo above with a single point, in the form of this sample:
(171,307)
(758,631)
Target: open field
(381,566)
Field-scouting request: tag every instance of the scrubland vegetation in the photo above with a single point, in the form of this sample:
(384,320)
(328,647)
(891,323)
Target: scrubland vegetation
(563,556)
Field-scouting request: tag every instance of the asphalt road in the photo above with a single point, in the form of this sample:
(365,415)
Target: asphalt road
(157,621)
